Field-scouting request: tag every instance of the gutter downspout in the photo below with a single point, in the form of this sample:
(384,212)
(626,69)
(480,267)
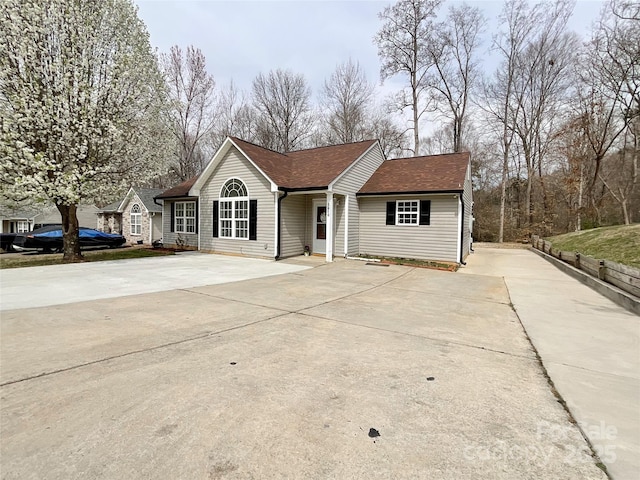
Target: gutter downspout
(279,224)
(461,223)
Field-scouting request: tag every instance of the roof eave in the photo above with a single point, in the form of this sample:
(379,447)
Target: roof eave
(173,197)
(413,192)
(303,189)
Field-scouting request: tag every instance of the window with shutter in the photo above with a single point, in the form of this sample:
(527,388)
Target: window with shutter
(409,212)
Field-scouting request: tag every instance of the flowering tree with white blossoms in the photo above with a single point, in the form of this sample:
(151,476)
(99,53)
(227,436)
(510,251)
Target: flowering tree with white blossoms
(82,104)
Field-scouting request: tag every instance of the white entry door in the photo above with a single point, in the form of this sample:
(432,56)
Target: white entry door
(319,226)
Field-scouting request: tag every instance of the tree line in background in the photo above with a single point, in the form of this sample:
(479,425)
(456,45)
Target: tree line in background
(553,130)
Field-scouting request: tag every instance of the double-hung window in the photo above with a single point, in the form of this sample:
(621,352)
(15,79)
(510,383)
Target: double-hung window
(185,217)
(234,210)
(407,212)
(22,226)
(136,220)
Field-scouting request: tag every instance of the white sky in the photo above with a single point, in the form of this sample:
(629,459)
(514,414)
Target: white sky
(243,38)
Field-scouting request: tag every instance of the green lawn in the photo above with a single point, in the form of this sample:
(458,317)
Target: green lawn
(39,259)
(620,243)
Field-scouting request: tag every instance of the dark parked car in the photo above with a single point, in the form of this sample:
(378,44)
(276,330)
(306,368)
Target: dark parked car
(50,239)
(6,240)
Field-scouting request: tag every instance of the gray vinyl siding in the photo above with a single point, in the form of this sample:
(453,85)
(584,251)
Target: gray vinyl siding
(349,184)
(308,224)
(354,226)
(235,165)
(292,234)
(338,240)
(467,199)
(437,241)
(169,237)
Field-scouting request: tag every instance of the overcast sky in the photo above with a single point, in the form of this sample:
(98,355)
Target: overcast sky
(243,38)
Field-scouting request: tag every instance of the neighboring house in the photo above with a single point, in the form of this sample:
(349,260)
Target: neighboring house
(27,218)
(340,200)
(137,217)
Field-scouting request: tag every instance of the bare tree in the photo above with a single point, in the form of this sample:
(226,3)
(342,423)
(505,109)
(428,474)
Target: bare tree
(619,174)
(283,101)
(452,47)
(234,116)
(402,50)
(501,100)
(542,83)
(346,97)
(191,89)
(610,74)
(380,125)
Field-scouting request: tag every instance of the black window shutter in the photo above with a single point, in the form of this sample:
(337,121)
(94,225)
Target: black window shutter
(391,213)
(425,212)
(173,217)
(253,219)
(196,225)
(215,218)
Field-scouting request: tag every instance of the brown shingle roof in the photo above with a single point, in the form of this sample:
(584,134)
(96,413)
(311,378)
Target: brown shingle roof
(304,169)
(434,173)
(275,165)
(181,190)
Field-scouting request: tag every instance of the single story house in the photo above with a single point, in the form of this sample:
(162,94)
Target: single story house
(137,216)
(25,218)
(344,200)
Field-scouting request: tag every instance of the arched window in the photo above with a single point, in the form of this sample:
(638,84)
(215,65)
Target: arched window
(136,220)
(234,210)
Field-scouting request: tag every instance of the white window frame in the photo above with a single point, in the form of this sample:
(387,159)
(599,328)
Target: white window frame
(136,220)
(413,215)
(22,226)
(184,223)
(233,211)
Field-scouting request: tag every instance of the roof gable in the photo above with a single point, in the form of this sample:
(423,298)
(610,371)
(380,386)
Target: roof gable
(433,173)
(146,196)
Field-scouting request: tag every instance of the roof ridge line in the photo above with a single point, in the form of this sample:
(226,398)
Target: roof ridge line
(259,146)
(334,145)
(434,155)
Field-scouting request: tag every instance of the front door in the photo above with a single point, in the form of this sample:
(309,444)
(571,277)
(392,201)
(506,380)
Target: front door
(319,226)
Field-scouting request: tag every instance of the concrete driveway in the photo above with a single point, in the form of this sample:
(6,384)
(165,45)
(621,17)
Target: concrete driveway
(345,370)
(55,285)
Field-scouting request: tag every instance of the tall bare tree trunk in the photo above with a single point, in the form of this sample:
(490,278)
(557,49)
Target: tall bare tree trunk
(503,194)
(416,133)
(70,232)
(580,193)
(625,211)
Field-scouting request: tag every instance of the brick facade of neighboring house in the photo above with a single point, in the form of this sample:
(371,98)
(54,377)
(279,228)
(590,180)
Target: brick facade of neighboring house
(109,219)
(136,217)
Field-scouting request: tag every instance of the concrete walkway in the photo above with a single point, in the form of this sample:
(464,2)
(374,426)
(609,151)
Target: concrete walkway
(589,346)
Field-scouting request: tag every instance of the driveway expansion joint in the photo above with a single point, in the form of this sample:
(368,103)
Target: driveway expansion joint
(202,336)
